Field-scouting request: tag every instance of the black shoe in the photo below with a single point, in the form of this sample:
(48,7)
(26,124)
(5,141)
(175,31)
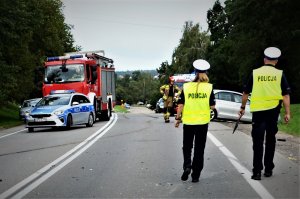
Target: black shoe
(186,174)
(268,174)
(195,180)
(256,176)
(167,121)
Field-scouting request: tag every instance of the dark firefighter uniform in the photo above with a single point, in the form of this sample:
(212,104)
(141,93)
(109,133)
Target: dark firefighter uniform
(168,91)
(195,102)
(268,87)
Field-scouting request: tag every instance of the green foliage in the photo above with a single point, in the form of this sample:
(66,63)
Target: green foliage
(9,116)
(217,22)
(29,31)
(193,45)
(140,86)
(253,26)
(293,126)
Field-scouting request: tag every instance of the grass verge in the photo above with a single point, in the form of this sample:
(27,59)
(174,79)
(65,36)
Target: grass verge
(9,116)
(120,109)
(293,126)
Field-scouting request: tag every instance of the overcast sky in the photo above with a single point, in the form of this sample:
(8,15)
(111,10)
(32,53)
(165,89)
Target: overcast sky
(136,34)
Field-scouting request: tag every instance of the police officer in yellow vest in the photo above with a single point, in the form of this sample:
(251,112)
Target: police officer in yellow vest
(168,91)
(194,105)
(269,88)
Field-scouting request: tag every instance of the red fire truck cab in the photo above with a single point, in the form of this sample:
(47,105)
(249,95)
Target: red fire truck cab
(85,72)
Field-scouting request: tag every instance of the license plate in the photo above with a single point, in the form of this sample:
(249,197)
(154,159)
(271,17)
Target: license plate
(40,119)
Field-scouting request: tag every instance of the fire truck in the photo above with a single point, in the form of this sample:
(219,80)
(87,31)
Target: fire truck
(90,73)
(180,79)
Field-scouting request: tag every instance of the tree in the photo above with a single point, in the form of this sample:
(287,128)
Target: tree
(30,30)
(255,25)
(217,23)
(192,46)
(140,87)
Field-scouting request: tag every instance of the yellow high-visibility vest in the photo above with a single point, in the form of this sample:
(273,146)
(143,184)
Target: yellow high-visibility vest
(166,87)
(266,91)
(196,108)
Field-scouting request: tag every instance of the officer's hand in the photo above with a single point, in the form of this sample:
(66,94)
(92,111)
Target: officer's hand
(177,123)
(241,112)
(287,118)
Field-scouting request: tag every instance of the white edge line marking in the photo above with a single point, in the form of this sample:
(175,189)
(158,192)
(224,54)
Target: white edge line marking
(12,133)
(256,185)
(39,181)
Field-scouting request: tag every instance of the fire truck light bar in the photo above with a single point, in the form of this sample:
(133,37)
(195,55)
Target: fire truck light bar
(62,92)
(64,57)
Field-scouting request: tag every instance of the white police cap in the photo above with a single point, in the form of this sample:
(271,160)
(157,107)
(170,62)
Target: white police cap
(272,53)
(201,65)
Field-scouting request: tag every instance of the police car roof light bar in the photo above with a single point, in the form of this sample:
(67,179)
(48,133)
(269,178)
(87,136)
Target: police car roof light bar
(62,92)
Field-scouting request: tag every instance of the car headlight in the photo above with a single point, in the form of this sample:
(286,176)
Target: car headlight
(26,113)
(59,112)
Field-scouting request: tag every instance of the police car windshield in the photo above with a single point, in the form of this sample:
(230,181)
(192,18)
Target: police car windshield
(54,100)
(58,74)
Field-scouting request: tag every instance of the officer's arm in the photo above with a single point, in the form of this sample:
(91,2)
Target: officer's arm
(179,111)
(247,89)
(244,102)
(212,100)
(178,116)
(286,104)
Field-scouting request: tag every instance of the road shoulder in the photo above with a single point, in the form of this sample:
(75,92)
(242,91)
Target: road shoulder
(286,144)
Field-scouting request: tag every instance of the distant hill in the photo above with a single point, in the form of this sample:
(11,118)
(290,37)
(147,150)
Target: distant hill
(129,72)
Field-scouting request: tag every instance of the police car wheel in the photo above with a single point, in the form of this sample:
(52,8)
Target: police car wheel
(30,129)
(90,121)
(69,121)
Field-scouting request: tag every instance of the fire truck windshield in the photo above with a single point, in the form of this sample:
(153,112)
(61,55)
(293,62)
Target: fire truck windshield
(58,74)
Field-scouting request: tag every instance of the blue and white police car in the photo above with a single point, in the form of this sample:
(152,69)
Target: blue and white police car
(61,109)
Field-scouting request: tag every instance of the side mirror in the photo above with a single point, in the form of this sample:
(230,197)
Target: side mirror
(75,103)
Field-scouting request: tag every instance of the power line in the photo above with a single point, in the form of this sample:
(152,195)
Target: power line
(128,23)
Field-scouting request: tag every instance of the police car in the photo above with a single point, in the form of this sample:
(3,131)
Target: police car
(61,109)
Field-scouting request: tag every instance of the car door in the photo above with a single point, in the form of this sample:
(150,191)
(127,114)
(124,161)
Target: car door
(224,104)
(84,109)
(75,109)
(236,105)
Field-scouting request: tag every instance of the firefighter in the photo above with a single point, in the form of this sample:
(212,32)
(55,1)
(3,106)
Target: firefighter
(194,105)
(269,88)
(168,91)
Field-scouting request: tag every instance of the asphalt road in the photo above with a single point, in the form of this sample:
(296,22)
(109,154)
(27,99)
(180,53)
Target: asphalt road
(134,155)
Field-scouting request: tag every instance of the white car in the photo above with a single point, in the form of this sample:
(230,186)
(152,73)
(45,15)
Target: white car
(27,106)
(140,103)
(228,104)
(61,110)
(159,106)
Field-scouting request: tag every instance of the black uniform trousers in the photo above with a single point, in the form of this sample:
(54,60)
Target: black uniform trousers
(264,127)
(194,135)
